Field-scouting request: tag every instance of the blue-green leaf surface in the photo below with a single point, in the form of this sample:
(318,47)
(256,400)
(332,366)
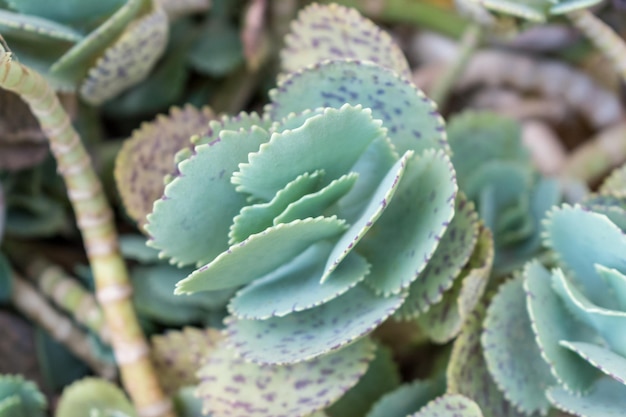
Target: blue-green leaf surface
(450,405)
(34,27)
(607,361)
(607,398)
(407,398)
(616,281)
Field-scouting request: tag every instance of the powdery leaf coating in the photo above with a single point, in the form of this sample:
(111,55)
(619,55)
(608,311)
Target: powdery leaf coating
(616,281)
(605,360)
(410,117)
(270,249)
(179,224)
(21,397)
(129,60)
(28,25)
(177,355)
(513,358)
(337,32)
(444,320)
(148,156)
(231,387)
(307,334)
(407,399)
(240,121)
(607,398)
(452,254)
(92,393)
(403,240)
(295,286)
(450,405)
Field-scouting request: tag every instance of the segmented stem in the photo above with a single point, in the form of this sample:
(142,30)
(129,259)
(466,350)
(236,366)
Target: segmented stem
(31,303)
(603,37)
(95,221)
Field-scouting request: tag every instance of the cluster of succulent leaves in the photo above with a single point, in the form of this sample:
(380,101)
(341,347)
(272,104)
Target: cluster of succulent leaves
(553,337)
(533,10)
(333,211)
(20,398)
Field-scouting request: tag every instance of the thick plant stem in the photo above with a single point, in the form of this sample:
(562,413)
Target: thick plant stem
(95,221)
(444,84)
(603,37)
(34,306)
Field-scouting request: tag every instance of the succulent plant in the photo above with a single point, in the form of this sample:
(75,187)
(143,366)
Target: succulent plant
(20,398)
(535,10)
(94,396)
(495,171)
(563,328)
(334,210)
(99,48)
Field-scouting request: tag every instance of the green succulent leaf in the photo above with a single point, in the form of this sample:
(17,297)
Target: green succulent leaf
(407,398)
(452,254)
(177,355)
(511,353)
(134,247)
(243,120)
(403,240)
(324,32)
(269,249)
(450,405)
(552,323)
(311,333)
(443,321)
(178,8)
(607,398)
(615,183)
(534,10)
(605,360)
(34,27)
(66,11)
(181,224)
(382,376)
(411,118)
(265,391)
(616,281)
(604,244)
(296,286)
(148,156)
(186,403)
(93,393)
(129,60)
(20,398)
(332,142)
(217,50)
(612,207)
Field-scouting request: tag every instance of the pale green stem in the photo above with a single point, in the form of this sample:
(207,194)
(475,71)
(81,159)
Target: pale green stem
(445,83)
(95,221)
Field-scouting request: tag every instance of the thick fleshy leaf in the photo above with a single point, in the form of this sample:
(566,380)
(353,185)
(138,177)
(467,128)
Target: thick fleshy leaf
(603,320)
(407,399)
(134,247)
(409,116)
(443,321)
(616,281)
(567,6)
(551,323)
(612,207)
(314,332)
(607,398)
(31,26)
(403,240)
(260,254)
(231,387)
(240,121)
(467,372)
(92,393)
(450,405)
(67,11)
(26,397)
(148,156)
(296,286)
(512,355)
(534,10)
(452,254)
(177,355)
(324,32)
(607,361)
(332,142)
(379,201)
(129,60)
(258,217)
(382,376)
(604,244)
(615,184)
(217,49)
(182,224)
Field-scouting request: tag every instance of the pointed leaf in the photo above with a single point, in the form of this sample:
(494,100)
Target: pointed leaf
(332,141)
(92,393)
(607,398)
(450,405)
(231,387)
(148,156)
(260,254)
(403,240)
(407,399)
(335,32)
(410,117)
(182,224)
(314,332)
(296,286)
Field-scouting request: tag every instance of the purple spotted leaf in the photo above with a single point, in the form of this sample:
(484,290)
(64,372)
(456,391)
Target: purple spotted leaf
(177,355)
(403,240)
(232,387)
(450,257)
(148,156)
(410,117)
(450,405)
(444,320)
(324,32)
(311,333)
